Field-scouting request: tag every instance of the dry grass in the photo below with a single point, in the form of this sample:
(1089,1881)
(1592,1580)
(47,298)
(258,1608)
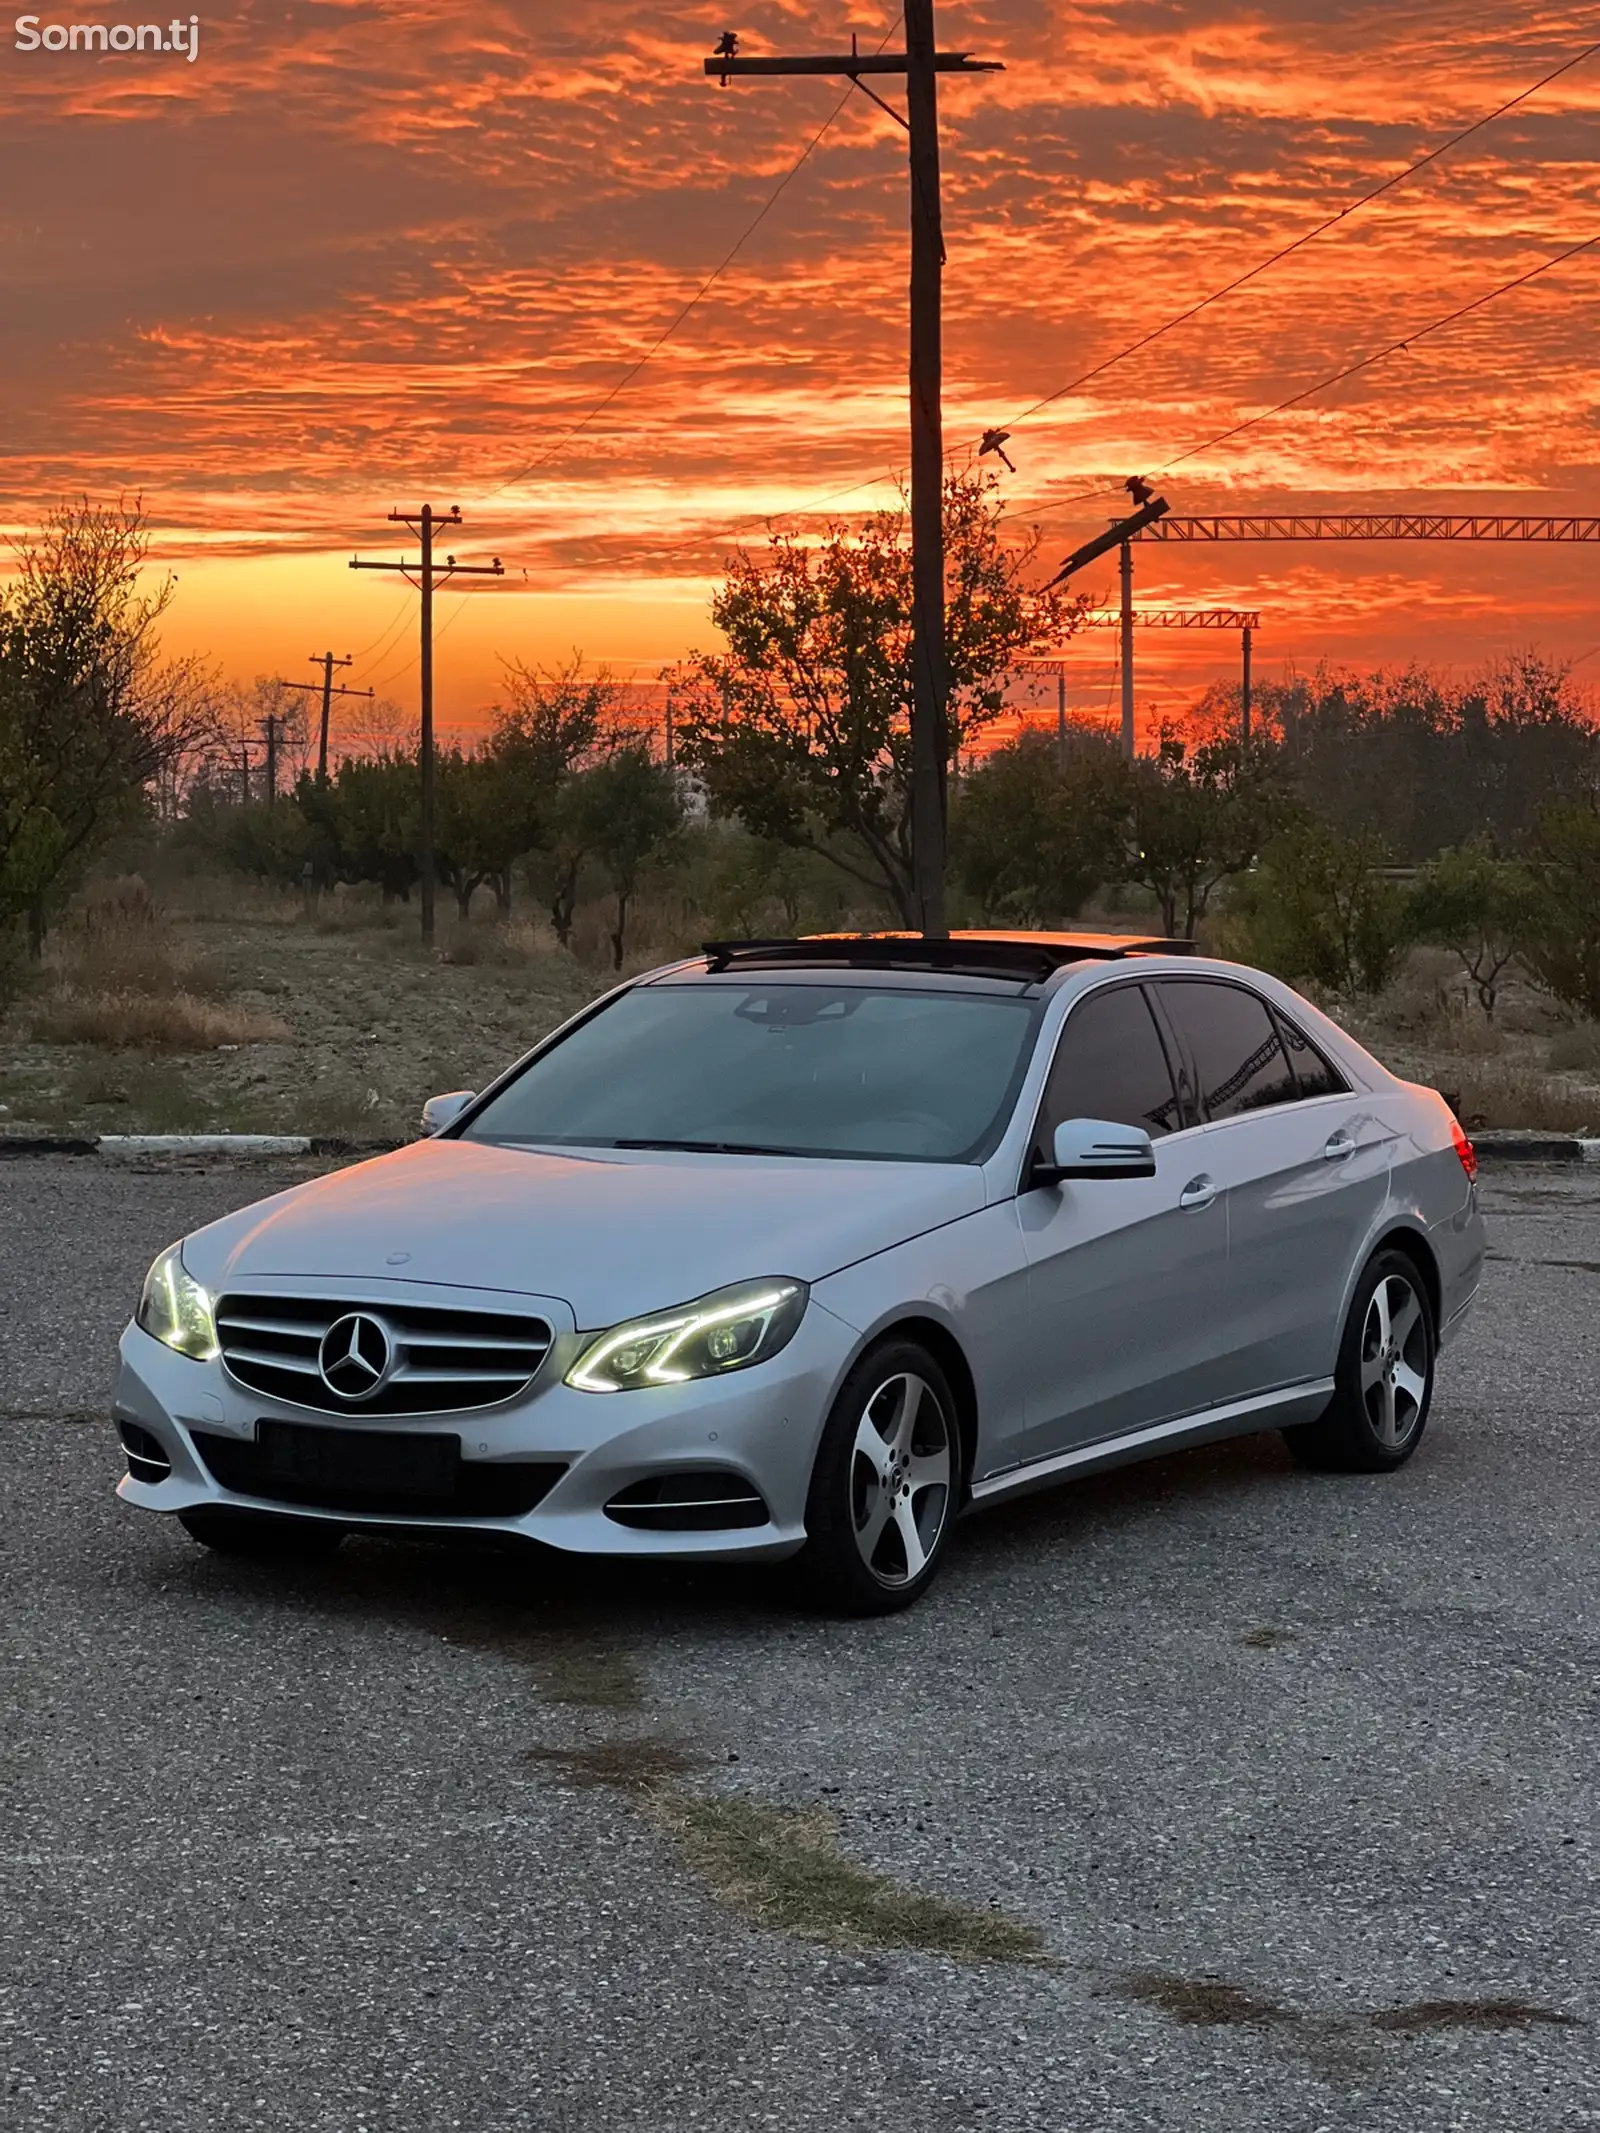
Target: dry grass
(785,1871)
(1575,1050)
(496,943)
(1202,2003)
(1516,1096)
(119,942)
(157,1022)
(620,1765)
(1472,2014)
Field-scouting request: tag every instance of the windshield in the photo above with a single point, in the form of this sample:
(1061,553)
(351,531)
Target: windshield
(789,1068)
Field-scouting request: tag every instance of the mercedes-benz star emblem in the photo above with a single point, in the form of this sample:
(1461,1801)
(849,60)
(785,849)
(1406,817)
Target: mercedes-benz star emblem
(355,1356)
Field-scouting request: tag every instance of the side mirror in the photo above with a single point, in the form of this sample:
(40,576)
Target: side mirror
(441,1111)
(1096,1148)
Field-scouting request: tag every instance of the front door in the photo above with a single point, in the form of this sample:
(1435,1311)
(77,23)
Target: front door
(1126,1276)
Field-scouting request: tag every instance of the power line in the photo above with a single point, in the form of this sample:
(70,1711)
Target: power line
(699,295)
(383,644)
(1286,251)
(399,614)
(1365,199)
(1366,362)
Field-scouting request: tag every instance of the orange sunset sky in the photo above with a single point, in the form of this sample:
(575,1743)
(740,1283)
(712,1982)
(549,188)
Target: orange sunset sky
(362,252)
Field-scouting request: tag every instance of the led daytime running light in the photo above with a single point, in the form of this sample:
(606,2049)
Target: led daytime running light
(664,1339)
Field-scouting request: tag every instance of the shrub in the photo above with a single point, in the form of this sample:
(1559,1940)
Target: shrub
(1561,927)
(1319,908)
(1478,906)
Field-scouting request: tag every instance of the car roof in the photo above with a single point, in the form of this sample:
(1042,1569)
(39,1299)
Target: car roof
(1022,957)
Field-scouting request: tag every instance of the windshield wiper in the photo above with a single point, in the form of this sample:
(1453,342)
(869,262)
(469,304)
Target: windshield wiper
(713,1147)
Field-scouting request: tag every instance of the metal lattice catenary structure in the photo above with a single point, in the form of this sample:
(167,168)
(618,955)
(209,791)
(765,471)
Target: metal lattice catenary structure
(1195,531)
(1246,620)
(1373,526)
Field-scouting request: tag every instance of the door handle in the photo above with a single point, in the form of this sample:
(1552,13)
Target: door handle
(1338,1146)
(1198,1193)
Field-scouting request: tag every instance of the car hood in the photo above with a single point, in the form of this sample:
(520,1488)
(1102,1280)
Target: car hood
(612,1235)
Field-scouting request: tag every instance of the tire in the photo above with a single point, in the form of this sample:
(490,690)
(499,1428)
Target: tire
(260,1535)
(1383,1381)
(885,1486)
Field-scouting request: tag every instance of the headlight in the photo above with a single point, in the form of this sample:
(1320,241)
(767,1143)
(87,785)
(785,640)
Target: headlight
(174,1307)
(728,1330)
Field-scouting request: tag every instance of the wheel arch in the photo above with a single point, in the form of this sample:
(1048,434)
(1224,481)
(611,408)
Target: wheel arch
(1401,1237)
(948,1352)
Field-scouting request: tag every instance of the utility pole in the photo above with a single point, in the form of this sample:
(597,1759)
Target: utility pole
(327,662)
(424,575)
(921,63)
(1120,534)
(1125,577)
(1244,688)
(1061,714)
(270,727)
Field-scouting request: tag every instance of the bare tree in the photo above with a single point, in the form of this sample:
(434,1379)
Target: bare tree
(91,716)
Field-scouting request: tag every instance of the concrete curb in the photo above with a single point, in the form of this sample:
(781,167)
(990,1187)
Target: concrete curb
(1516,1147)
(117,1146)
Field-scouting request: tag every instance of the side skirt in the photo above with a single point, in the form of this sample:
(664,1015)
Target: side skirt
(1271,1410)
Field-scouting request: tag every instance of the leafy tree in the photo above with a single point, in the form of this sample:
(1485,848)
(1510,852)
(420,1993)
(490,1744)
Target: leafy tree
(748,886)
(801,729)
(375,805)
(90,715)
(1561,930)
(1429,763)
(505,803)
(272,843)
(1032,837)
(1198,817)
(1321,907)
(483,824)
(624,811)
(1479,906)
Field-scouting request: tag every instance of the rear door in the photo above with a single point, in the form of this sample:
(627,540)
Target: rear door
(1303,1165)
(1126,1275)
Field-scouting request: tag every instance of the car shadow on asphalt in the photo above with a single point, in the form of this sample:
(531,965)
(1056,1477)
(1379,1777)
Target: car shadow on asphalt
(576,1621)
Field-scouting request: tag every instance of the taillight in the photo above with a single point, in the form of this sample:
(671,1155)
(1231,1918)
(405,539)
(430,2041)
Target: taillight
(1464,1149)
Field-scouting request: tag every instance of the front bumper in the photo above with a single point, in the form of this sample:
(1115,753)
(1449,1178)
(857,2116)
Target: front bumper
(760,1425)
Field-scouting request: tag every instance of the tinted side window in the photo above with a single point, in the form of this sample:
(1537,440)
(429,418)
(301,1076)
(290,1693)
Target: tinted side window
(1238,1053)
(1313,1070)
(1112,1064)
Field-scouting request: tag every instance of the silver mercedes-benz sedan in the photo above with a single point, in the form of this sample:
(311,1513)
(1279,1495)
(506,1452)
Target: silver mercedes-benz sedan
(800,1248)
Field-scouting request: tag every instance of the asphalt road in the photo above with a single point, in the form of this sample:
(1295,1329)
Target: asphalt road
(1294,1777)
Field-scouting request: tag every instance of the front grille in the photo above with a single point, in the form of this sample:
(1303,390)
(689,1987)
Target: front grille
(384,1473)
(442,1360)
(701,1500)
(147,1461)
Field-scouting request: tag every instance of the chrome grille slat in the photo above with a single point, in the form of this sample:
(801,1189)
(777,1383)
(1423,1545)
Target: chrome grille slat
(445,1360)
(459,1377)
(269,1359)
(232,1322)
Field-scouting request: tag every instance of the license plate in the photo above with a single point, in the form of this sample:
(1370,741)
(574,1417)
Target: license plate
(394,1461)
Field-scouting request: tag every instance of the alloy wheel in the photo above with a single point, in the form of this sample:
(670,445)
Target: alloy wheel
(901,1468)
(1394,1361)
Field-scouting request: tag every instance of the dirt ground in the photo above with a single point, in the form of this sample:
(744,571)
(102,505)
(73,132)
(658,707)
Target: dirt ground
(218,1007)
(365,1025)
